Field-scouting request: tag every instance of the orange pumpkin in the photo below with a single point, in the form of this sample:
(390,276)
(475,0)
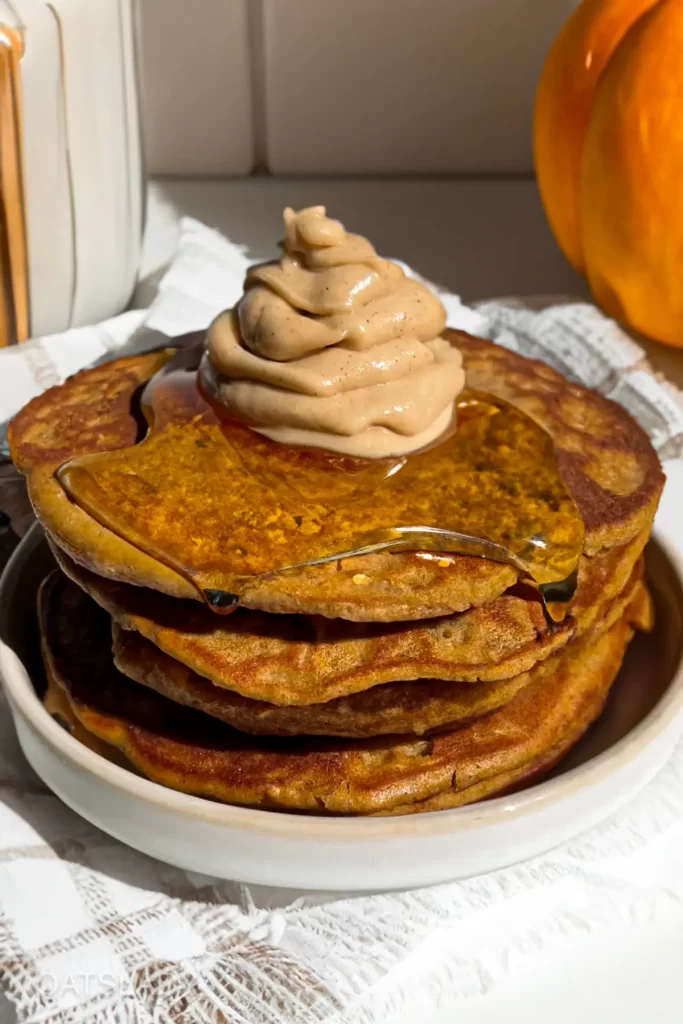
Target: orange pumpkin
(608,139)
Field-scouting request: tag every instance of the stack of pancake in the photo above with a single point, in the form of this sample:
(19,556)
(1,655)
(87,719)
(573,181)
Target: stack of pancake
(385,683)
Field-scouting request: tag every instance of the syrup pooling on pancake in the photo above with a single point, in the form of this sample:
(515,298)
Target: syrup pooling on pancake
(222,504)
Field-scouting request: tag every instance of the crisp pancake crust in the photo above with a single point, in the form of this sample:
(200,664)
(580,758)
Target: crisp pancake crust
(417,707)
(606,460)
(57,704)
(194,753)
(91,411)
(297,660)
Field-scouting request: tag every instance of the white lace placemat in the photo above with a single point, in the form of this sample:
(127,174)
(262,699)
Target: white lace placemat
(91,931)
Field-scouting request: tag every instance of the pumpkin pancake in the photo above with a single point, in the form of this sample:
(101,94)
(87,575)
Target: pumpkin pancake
(93,412)
(498,785)
(57,704)
(416,707)
(194,753)
(605,460)
(298,660)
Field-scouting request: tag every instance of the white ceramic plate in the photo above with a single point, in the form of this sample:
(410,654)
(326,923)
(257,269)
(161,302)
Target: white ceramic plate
(621,753)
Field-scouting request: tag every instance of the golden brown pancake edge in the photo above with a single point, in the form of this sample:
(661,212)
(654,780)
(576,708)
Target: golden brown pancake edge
(339,777)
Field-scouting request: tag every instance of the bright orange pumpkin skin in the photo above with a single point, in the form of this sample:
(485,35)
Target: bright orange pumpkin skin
(632,179)
(564,105)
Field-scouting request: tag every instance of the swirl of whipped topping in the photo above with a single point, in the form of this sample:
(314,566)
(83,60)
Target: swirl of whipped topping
(335,348)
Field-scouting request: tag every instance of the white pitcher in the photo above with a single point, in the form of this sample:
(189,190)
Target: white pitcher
(71,171)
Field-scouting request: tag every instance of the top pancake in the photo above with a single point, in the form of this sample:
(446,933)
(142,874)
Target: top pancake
(606,459)
(610,468)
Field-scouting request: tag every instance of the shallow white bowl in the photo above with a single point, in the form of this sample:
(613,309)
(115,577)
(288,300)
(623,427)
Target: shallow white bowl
(622,752)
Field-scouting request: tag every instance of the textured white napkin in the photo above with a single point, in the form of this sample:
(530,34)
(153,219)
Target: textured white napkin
(91,931)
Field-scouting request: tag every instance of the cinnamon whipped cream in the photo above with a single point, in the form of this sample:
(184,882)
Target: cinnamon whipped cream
(334,347)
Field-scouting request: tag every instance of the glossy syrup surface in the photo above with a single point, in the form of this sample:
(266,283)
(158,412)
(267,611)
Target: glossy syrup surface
(221,504)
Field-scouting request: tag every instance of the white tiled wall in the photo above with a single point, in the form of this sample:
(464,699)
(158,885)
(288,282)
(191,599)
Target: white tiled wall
(196,86)
(342,86)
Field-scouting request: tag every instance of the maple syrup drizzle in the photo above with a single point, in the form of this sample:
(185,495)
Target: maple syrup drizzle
(221,504)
